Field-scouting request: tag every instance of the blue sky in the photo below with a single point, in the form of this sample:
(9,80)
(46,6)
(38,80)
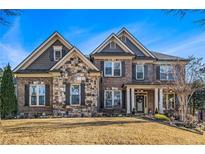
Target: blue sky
(86,29)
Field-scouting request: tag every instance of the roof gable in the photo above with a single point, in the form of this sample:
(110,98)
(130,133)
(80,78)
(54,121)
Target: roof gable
(41,49)
(69,54)
(134,41)
(46,59)
(118,42)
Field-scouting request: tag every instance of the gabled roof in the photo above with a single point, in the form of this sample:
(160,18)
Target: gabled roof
(136,42)
(162,56)
(107,40)
(81,55)
(41,48)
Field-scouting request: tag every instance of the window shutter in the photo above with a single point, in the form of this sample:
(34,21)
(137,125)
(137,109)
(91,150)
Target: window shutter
(102,99)
(102,67)
(67,94)
(123,68)
(26,95)
(82,93)
(47,88)
(123,98)
(64,52)
(51,56)
(134,71)
(146,72)
(158,72)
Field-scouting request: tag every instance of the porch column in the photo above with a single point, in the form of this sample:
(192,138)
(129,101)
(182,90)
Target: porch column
(160,100)
(156,99)
(133,98)
(128,100)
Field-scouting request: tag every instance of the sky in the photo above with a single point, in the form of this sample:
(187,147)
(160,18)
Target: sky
(86,29)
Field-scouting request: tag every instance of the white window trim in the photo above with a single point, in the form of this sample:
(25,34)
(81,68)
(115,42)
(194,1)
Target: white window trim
(167,77)
(115,46)
(57,48)
(37,95)
(79,95)
(142,71)
(112,73)
(112,98)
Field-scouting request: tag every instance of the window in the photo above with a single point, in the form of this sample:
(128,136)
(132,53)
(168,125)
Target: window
(117,68)
(75,94)
(112,98)
(123,38)
(108,68)
(37,95)
(108,99)
(139,72)
(112,68)
(112,45)
(166,72)
(169,100)
(57,52)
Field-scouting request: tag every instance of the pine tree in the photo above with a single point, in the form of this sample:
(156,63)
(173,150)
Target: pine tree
(8,97)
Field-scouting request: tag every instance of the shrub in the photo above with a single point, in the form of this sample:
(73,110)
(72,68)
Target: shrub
(172,114)
(191,121)
(161,117)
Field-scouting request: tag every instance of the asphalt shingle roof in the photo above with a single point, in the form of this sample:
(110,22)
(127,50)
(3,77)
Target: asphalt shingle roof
(162,56)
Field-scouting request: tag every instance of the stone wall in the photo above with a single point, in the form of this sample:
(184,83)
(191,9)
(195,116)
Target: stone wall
(75,71)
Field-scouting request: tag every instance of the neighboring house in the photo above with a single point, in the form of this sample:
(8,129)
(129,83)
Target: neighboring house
(120,75)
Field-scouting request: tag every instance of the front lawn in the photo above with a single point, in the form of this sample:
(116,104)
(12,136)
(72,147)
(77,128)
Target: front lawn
(93,131)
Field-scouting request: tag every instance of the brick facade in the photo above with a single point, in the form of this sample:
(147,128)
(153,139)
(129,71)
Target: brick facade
(28,110)
(77,70)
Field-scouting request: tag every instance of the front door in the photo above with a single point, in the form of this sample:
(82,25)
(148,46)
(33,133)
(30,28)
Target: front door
(140,103)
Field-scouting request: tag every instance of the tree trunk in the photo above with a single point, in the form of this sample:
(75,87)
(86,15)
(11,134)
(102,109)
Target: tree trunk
(194,109)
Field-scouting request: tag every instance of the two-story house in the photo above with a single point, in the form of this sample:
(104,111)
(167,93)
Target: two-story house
(121,75)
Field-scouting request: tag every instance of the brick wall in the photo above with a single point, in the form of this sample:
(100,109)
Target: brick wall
(21,82)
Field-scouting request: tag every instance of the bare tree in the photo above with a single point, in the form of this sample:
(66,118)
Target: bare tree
(6,13)
(187,79)
(181,13)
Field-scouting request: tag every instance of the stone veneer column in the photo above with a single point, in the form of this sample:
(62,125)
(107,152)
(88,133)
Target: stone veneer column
(128,100)
(156,99)
(160,100)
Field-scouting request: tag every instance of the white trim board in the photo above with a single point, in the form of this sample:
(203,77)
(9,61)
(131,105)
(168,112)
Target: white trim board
(62,61)
(38,51)
(107,40)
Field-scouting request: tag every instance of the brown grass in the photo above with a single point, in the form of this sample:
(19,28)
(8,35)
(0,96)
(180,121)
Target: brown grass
(93,131)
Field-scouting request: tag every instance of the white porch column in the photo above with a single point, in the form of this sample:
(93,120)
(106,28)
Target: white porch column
(160,100)
(128,100)
(156,99)
(133,98)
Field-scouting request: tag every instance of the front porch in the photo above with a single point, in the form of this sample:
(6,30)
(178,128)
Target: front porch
(148,99)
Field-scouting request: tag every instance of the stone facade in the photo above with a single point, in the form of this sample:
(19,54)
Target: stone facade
(75,71)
